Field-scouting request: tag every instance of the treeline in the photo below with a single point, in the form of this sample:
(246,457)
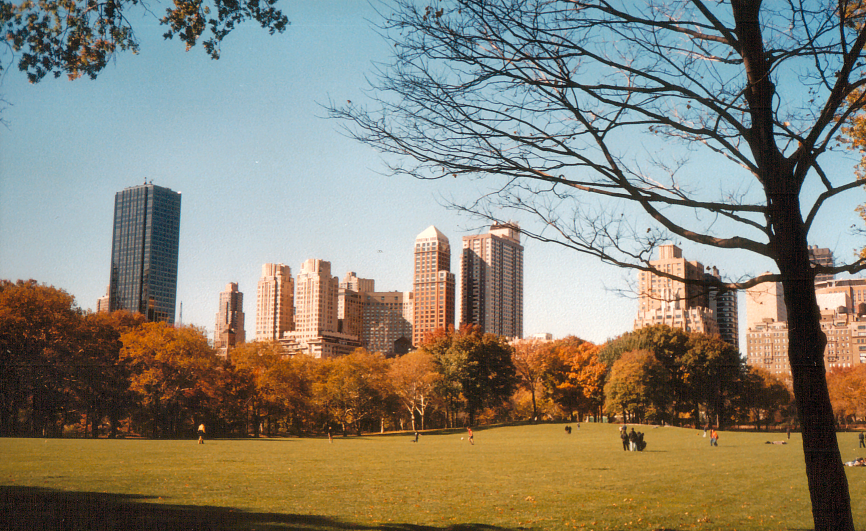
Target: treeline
(67,372)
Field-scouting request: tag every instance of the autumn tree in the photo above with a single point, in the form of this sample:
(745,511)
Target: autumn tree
(583,114)
(848,392)
(102,378)
(354,389)
(528,358)
(257,362)
(39,353)
(172,372)
(574,377)
(79,37)
(414,379)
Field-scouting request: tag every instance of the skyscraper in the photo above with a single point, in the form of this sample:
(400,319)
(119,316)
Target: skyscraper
(229,330)
(387,324)
(433,284)
(350,302)
(275,302)
(316,325)
(491,284)
(663,300)
(144,252)
(316,298)
(725,309)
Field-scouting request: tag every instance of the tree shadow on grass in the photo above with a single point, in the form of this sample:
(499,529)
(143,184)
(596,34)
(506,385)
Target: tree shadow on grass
(33,508)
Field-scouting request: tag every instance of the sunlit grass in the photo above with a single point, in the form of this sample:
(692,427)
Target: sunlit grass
(513,477)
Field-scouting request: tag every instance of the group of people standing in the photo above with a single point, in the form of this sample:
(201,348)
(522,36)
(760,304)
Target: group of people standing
(632,441)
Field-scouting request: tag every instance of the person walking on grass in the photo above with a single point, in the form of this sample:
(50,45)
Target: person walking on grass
(201,433)
(471,437)
(714,438)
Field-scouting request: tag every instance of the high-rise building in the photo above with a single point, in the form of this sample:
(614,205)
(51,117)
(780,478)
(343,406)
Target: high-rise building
(316,298)
(350,300)
(726,312)
(765,303)
(274,304)
(387,324)
(675,303)
(491,284)
(316,325)
(144,252)
(842,304)
(102,303)
(229,330)
(433,284)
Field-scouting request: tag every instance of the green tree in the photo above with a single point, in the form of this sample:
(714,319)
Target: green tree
(637,387)
(490,377)
(475,370)
(711,370)
(79,37)
(583,115)
(762,395)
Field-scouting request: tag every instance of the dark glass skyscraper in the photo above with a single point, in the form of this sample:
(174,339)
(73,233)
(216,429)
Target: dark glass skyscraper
(144,252)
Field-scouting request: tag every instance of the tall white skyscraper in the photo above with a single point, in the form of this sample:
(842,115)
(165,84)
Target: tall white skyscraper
(433,284)
(275,302)
(491,288)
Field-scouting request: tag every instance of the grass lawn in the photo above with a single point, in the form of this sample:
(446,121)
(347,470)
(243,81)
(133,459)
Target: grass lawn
(512,478)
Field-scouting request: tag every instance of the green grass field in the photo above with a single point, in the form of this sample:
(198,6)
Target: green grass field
(518,477)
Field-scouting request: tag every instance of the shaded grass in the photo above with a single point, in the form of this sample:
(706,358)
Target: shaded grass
(512,478)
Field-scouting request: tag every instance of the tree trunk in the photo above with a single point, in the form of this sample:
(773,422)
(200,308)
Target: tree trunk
(828,485)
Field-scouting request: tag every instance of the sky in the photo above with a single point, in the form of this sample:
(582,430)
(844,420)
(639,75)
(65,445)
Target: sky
(264,176)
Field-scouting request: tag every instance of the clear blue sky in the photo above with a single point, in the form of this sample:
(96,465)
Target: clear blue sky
(264,177)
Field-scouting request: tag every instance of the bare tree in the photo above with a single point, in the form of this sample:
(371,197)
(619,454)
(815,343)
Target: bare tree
(583,115)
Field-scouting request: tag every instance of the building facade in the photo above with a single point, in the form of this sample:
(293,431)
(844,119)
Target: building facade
(350,301)
(725,311)
(842,304)
(433,284)
(387,322)
(229,330)
(317,331)
(144,252)
(678,304)
(316,298)
(491,282)
(822,256)
(275,302)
